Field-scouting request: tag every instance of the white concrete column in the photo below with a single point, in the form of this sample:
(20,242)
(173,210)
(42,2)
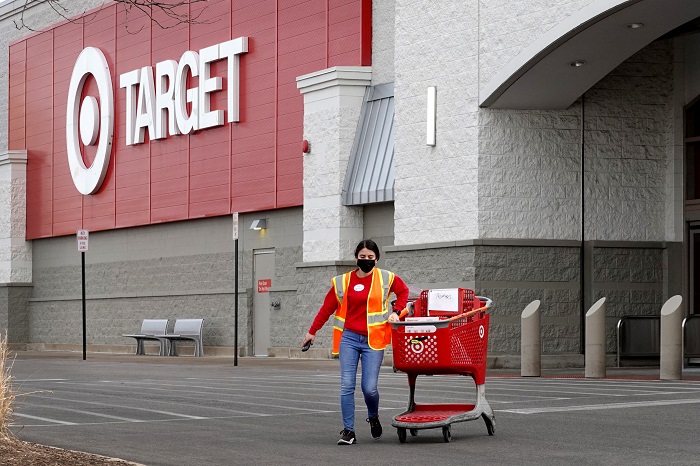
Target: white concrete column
(531,341)
(15,252)
(595,340)
(332,102)
(671,360)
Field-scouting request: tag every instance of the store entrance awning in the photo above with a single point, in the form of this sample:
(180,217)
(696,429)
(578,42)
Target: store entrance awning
(566,61)
(370,174)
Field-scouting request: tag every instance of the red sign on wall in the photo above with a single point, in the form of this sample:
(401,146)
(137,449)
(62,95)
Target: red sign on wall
(264,285)
(242,166)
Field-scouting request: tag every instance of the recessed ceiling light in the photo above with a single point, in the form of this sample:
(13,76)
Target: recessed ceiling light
(634,25)
(577,63)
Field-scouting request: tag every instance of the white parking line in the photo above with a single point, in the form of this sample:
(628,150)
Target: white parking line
(169,413)
(80,411)
(45,419)
(39,380)
(179,389)
(564,409)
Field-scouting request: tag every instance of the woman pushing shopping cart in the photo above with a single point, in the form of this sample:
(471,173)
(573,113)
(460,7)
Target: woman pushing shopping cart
(447,333)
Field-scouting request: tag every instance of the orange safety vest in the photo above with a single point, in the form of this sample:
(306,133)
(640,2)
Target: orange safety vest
(378,312)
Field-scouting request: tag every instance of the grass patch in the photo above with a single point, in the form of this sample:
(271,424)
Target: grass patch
(7,392)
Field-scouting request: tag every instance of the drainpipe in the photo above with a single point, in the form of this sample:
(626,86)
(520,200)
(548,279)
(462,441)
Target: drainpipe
(582,311)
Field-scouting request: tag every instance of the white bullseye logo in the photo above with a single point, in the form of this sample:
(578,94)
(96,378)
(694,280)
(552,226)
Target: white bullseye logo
(84,123)
(481,331)
(417,347)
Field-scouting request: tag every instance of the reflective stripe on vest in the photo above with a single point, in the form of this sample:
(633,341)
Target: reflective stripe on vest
(344,281)
(379,336)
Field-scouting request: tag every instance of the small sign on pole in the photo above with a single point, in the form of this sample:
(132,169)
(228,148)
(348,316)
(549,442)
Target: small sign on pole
(83,236)
(235,225)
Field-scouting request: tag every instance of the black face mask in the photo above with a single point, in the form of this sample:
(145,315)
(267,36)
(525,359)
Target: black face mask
(366,265)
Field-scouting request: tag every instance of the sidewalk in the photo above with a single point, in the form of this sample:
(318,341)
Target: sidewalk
(646,372)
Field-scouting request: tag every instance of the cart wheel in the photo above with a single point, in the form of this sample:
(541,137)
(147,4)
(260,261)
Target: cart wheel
(446,434)
(490,424)
(402,434)
(414,432)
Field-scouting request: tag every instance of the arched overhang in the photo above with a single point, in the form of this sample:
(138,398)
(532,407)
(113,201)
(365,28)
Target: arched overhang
(600,36)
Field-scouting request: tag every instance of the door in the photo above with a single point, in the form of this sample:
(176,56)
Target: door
(694,267)
(263,272)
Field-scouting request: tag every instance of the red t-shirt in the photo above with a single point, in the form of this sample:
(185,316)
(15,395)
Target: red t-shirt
(357,294)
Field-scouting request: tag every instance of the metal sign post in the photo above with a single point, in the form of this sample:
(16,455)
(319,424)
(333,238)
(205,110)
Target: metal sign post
(82,237)
(235,289)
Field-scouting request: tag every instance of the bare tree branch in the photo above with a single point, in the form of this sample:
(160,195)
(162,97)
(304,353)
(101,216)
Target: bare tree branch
(175,12)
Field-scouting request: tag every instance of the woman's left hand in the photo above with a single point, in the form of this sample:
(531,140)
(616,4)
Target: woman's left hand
(394,317)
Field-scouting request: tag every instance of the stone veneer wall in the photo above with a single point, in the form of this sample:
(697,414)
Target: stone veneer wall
(313,282)
(383,38)
(174,270)
(632,281)
(530,161)
(631,278)
(437,44)
(512,276)
(120,294)
(14,313)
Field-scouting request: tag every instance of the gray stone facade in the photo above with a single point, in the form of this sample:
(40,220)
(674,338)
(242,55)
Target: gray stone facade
(630,277)
(512,276)
(14,314)
(632,281)
(183,270)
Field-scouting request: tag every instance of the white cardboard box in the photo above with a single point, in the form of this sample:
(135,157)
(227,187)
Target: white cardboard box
(421,328)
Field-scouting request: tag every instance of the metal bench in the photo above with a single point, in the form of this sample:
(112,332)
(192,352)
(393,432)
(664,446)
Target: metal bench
(638,336)
(151,330)
(186,329)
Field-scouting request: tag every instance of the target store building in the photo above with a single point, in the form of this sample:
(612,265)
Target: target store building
(527,150)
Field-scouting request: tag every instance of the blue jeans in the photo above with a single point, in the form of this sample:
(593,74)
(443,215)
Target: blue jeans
(353,348)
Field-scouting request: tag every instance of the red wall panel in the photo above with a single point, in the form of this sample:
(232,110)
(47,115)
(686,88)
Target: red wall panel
(68,202)
(38,132)
(254,164)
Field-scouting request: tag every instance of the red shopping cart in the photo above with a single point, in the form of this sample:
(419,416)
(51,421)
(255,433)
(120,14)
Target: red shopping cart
(447,334)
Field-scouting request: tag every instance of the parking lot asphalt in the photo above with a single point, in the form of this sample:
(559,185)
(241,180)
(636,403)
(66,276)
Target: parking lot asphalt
(272,411)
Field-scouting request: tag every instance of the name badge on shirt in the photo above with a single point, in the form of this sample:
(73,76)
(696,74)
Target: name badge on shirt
(358,287)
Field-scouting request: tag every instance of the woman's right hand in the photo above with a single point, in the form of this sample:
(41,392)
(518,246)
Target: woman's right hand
(307,338)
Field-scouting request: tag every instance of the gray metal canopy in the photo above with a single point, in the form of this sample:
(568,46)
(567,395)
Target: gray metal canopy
(370,174)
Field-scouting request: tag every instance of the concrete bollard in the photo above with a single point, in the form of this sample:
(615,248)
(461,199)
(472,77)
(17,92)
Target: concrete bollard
(531,341)
(671,361)
(595,340)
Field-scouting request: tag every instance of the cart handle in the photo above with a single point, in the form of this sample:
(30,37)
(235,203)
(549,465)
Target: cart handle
(487,305)
(488,302)
(444,323)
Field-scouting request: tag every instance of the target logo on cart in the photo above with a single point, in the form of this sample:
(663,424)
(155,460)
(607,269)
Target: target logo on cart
(423,349)
(481,331)
(417,345)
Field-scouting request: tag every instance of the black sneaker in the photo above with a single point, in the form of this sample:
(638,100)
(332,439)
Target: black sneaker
(375,426)
(347,437)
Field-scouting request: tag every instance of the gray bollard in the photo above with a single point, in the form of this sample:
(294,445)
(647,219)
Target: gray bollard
(671,363)
(595,340)
(531,341)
